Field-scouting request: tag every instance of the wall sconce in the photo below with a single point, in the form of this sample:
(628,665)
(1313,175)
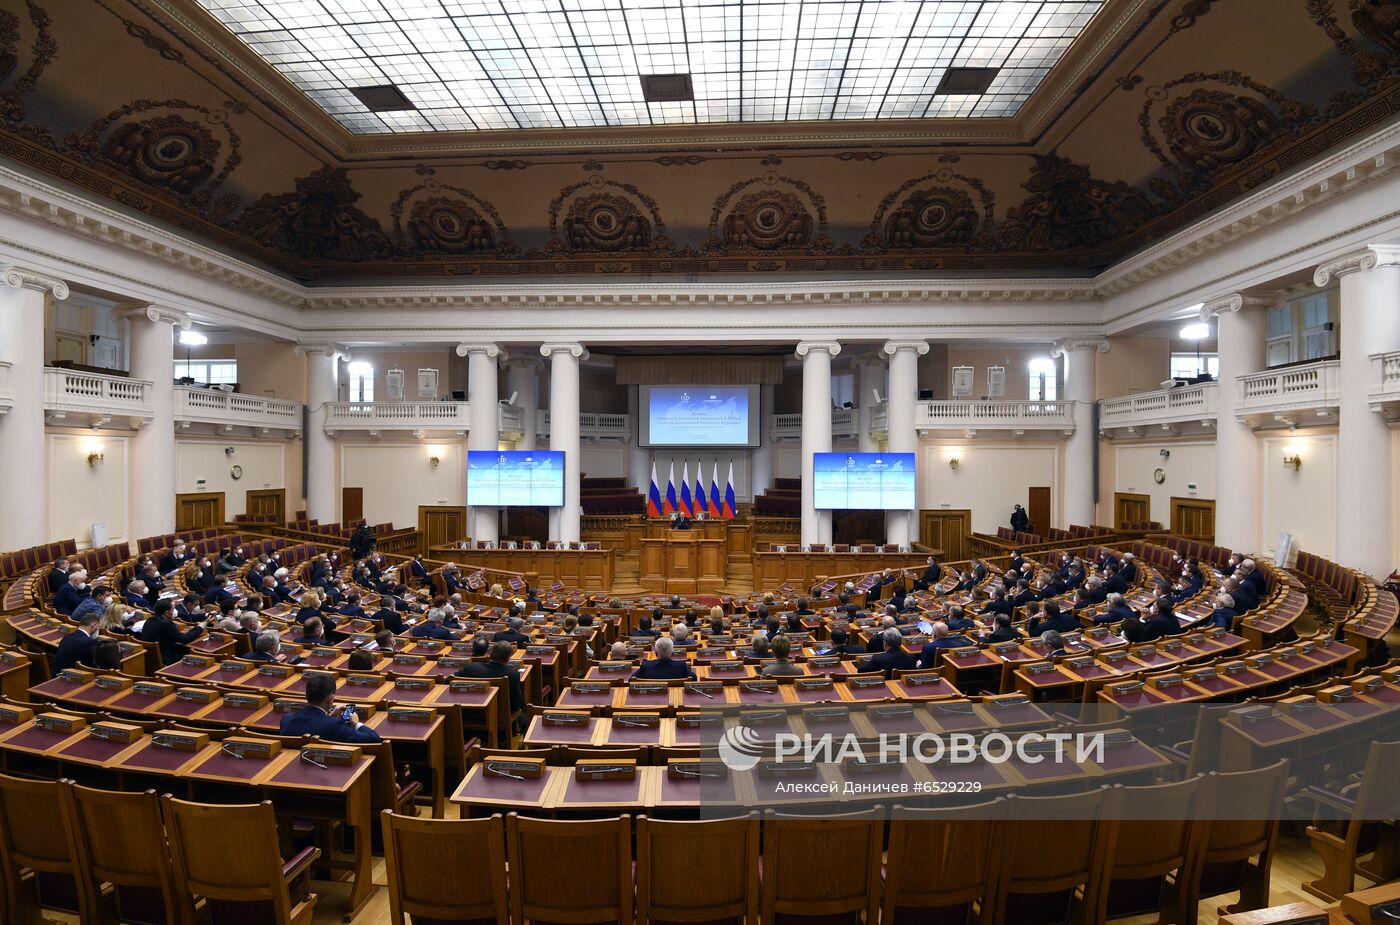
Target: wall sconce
(1292,461)
(952,462)
(94,457)
(434,461)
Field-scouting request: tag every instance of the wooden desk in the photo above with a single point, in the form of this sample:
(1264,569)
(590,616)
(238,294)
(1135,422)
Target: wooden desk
(418,743)
(588,569)
(683,562)
(481,794)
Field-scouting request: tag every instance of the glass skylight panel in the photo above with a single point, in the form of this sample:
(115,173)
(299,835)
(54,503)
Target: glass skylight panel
(469,65)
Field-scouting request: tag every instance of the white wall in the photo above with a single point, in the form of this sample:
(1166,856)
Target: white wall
(264,465)
(990,478)
(743,491)
(1190,464)
(1303,503)
(787,460)
(397,478)
(603,460)
(79,494)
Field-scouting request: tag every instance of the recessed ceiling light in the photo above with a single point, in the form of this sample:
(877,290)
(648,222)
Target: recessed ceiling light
(966,81)
(384,98)
(667,88)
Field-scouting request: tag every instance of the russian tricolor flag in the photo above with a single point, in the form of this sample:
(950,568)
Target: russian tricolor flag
(653,494)
(728,511)
(714,491)
(700,504)
(668,507)
(686,508)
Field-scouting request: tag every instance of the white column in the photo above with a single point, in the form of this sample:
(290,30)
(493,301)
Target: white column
(870,378)
(153,451)
(1370,323)
(902,434)
(1240,330)
(24,500)
(816,430)
(523,379)
(638,457)
(483,423)
(322,389)
(563,433)
(763,453)
(1082,445)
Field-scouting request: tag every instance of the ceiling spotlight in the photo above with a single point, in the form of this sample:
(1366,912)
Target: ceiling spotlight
(1196,331)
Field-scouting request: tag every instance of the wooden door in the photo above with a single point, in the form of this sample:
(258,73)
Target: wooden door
(1193,518)
(439,525)
(1131,507)
(527,523)
(946,529)
(268,502)
(199,509)
(1038,509)
(858,527)
(69,348)
(352,505)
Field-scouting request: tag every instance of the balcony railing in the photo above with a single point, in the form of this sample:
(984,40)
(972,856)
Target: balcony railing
(7,401)
(229,410)
(411,415)
(1303,394)
(95,399)
(1163,408)
(844,423)
(1385,382)
(592,425)
(994,415)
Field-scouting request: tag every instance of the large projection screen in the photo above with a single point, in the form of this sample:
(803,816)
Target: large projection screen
(698,415)
(863,482)
(515,478)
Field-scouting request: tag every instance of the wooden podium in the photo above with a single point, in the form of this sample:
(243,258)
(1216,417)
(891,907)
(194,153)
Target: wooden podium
(684,561)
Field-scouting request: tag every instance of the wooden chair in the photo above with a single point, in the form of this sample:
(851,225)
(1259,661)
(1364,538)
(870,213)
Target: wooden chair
(826,866)
(1237,854)
(707,871)
(1371,808)
(39,870)
(1159,827)
(1056,857)
(418,851)
(943,862)
(119,838)
(235,883)
(574,872)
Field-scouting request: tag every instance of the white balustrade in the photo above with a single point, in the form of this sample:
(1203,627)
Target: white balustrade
(994,415)
(1185,404)
(7,401)
(593,425)
(1384,394)
(96,398)
(1294,394)
(230,409)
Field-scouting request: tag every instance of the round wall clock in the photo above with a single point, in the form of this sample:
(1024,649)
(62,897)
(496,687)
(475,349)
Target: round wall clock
(236,472)
(1159,476)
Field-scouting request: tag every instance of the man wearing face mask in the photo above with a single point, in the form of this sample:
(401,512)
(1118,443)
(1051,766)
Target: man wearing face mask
(65,601)
(231,561)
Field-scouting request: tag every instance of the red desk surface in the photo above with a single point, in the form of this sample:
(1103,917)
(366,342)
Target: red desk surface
(182,671)
(36,739)
(219,765)
(174,707)
(616,733)
(1267,731)
(478,786)
(817,695)
(693,790)
(218,713)
(1218,685)
(132,702)
(541,734)
(982,772)
(91,749)
(1356,708)
(302,774)
(467,699)
(409,694)
(571,700)
(911,723)
(56,688)
(1319,718)
(604,792)
(147,756)
(93,695)
(958,722)
(697,735)
(403,730)
(884,691)
(760,697)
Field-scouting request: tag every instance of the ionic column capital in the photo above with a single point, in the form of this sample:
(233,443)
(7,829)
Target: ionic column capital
(574,349)
(322,349)
(892,347)
(1235,302)
(491,351)
(829,347)
(24,278)
(1072,344)
(157,314)
(1367,258)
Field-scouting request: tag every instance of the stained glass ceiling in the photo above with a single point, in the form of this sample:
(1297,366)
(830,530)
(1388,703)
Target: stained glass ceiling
(478,65)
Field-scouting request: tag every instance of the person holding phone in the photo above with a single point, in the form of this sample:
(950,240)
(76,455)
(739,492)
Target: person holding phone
(321,717)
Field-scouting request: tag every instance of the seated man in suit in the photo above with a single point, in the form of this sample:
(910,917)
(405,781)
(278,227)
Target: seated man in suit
(893,658)
(497,666)
(94,603)
(1021,594)
(663,667)
(1053,619)
(351,607)
(998,603)
(1128,569)
(933,574)
(313,633)
(841,644)
(1117,609)
(388,615)
(175,559)
(1224,613)
(644,626)
(138,595)
(1161,620)
(512,633)
(58,575)
(78,645)
(1055,645)
(1113,582)
(231,561)
(432,628)
(876,643)
(1002,631)
(1051,585)
(71,593)
(1091,594)
(1243,594)
(942,639)
(958,621)
(265,646)
(781,665)
(322,718)
(189,610)
(1255,578)
(160,629)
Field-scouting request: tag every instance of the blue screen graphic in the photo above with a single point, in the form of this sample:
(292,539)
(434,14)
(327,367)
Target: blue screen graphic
(863,481)
(698,415)
(515,478)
